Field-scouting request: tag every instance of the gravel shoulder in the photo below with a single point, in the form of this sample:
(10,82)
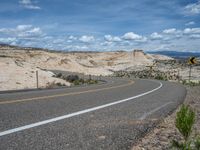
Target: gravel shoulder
(160,137)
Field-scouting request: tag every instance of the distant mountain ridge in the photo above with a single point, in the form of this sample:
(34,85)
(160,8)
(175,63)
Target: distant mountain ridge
(176,54)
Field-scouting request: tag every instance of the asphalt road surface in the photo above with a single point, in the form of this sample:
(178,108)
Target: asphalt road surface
(107,116)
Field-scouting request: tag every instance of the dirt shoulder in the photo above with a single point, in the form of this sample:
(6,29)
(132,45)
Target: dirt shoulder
(161,136)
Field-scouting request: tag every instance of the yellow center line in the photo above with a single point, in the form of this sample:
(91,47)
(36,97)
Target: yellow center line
(60,95)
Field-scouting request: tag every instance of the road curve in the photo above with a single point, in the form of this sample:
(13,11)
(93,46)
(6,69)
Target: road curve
(106,116)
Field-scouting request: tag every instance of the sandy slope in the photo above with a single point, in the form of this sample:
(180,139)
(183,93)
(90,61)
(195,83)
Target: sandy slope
(21,75)
(18,65)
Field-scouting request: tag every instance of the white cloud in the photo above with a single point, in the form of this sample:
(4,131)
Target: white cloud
(170,31)
(195,36)
(22,31)
(190,23)
(106,43)
(86,39)
(156,36)
(192,31)
(28,4)
(57,41)
(8,40)
(134,37)
(192,9)
(116,39)
(172,39)
(131,36)
(71,37)
(110,38)
(23,27)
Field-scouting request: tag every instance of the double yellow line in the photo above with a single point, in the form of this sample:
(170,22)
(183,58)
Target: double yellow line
(61,95)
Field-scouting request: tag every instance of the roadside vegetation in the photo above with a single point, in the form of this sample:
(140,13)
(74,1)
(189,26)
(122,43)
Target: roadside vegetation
(76,80)
(147,74)
(54,85)
(185,119)
(191,83)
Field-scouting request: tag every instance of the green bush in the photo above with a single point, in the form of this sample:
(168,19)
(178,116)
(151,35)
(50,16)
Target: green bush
(76,82)
(185,120)
(72,78)
(184,82)
(197,143)
(81,81)
(191,83)
(59,75)
(160,77)
(91,81)
(60,84)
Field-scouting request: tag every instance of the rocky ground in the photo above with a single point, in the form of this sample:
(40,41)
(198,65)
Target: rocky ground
(165,132)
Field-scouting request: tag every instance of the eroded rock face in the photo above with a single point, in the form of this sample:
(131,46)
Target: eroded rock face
(138,54)
(17,64)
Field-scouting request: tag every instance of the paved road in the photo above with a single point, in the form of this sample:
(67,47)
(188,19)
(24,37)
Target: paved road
(107,116)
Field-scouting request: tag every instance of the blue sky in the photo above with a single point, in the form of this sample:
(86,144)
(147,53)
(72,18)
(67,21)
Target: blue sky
(101,25)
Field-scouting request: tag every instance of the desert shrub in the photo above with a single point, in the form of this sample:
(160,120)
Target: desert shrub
(91,81)
(95,81)
(159,77)
(51,85)
(81,81)
(54,84)
(60,84)
(59,75)
(197,143)
(76,82)
(72,78)
(190,83)
(185,119)
(184,82)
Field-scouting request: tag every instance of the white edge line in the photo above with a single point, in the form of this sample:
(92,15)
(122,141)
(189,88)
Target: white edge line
(153,111)
(10,131)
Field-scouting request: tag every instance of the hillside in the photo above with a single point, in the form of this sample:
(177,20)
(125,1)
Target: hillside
(18,65)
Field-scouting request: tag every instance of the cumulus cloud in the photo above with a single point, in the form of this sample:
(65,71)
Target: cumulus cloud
(23,27)
(28,4)
(190,23)
(156,36)
(131,36)
(195,36)
(135,37)
(110,38)
(192,31)
(28,35)
(86,39)
(23,31)
(172,34)
(170,31)
(106,43)
(8,40)
(192,9)
(71,37)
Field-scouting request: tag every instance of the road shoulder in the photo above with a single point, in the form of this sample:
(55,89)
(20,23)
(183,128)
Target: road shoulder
(161,136)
